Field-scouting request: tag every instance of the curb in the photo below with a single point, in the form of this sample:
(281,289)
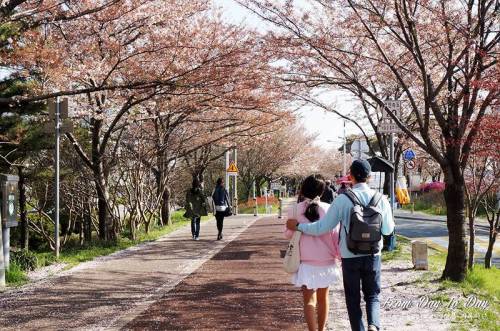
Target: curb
(416,218)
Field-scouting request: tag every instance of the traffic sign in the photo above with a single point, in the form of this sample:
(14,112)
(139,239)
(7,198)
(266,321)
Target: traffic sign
(410,165)
(409,155)
(232,168)
(388,127)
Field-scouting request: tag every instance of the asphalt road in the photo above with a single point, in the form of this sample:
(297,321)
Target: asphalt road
(436,232)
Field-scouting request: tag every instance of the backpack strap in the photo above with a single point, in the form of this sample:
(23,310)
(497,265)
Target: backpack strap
(375,199)
(354,199)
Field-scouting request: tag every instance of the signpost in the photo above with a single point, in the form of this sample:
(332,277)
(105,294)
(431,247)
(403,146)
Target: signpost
(387,126)
(9,199)
(232,171)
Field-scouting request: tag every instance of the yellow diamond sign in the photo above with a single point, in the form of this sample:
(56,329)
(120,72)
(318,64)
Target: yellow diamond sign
(232,168)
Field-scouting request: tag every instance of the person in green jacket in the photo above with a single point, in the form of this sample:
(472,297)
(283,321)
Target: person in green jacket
(196,207)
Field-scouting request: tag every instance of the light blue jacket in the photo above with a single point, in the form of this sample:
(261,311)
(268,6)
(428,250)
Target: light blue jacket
(340,210)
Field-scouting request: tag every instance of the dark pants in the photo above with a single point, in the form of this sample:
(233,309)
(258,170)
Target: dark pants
(364,270)
(219,217)
(195,226)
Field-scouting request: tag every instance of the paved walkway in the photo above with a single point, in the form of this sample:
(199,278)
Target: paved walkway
(110,291)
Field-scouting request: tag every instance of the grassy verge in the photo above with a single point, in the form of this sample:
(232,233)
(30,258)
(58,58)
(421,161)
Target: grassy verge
(73,254)
(402,251)
(15,276)
(480,288)
(431,210)
(479,304)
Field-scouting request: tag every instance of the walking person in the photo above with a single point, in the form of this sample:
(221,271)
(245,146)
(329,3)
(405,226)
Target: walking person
(357,268)
(342,189)
(196,207)
(319,255)
(222,205)
(328,195)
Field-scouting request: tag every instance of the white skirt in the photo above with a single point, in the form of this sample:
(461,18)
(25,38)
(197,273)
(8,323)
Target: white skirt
(314,277)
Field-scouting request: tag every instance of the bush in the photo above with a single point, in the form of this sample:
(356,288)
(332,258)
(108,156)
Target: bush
(430,202)
(25,260)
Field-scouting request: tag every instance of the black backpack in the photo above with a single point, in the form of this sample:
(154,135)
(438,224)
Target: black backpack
(365,223)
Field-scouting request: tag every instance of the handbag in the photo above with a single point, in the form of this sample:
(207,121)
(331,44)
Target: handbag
(291,262)
(228,212)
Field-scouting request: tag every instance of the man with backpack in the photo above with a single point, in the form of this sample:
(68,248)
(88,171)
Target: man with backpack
(365,215)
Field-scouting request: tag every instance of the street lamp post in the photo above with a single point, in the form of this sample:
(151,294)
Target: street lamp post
(59,112)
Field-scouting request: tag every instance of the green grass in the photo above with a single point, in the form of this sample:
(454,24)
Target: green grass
(73,253)
(14,276)
(430,203)
(401,252)
(480,283)
(428,209)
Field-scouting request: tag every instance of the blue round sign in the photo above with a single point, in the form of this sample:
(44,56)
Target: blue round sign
(409,155)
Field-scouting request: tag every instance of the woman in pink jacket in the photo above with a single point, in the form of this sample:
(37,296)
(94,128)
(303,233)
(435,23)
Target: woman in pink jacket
(319,256)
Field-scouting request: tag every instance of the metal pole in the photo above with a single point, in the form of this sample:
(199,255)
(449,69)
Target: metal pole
(266,202)
(227,174)
(56,210)
(2,265)
(6,247)
(280,211)
(344,156)
(256,208)
(236,178)
(391,158)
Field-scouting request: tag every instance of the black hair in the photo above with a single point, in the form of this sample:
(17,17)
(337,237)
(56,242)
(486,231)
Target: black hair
(312,187)
(358,178)
(219,181)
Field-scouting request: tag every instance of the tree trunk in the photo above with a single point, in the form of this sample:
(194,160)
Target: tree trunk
(472,238)
(87,224)
(22,210)
(132,227)
(456,260)
(106,229)
(489,251)
(492,238)
(165,207)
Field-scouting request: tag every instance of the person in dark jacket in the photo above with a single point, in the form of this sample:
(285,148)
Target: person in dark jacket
(221,202)
(342,189)
(196,207)
(328,194)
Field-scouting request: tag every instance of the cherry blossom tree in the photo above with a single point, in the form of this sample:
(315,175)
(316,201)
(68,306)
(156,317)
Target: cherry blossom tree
(482,176)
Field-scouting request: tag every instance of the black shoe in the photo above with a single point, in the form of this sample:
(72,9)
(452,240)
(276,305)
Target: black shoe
(219,236)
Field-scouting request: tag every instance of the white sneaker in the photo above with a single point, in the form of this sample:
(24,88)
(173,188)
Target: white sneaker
(196,238)
(372,328)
